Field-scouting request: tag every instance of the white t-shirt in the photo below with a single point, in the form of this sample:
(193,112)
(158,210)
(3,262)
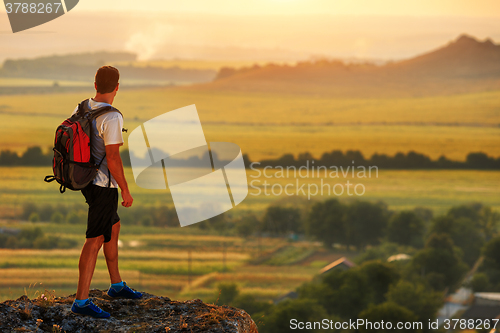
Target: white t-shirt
(107,131)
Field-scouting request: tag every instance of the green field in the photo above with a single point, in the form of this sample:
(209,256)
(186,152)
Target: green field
(400,189)
(270,125)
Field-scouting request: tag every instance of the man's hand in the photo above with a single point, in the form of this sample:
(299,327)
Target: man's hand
(127,199)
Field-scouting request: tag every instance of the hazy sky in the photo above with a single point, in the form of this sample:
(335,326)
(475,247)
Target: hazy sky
(297,7)
(256,29)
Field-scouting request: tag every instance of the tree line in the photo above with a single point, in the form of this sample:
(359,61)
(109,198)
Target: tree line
(410,160)
(439,250)
(34,156)
(34,239)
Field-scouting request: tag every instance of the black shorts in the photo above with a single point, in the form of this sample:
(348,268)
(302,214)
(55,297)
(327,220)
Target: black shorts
(103,207)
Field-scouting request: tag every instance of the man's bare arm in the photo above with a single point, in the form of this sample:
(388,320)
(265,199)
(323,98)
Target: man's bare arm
(115,166)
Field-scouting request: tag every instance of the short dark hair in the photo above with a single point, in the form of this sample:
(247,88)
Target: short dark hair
(106,79)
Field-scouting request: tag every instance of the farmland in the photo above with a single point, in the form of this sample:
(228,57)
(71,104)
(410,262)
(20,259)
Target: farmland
(157,261)
(264,125)
(447,125)
(400,189)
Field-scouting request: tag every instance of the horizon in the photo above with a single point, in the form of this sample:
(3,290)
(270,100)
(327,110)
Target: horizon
(270,37)
(312,58)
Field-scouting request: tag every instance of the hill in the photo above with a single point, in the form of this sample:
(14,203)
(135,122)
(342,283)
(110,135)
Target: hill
(465,65)
(82,67)
(150,314)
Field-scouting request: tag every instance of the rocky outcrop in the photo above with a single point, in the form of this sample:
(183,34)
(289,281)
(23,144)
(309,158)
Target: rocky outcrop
(149,314)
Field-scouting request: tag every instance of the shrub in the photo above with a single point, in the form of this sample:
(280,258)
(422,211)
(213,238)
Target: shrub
(75,218)
(480,282)
(146,221)
(46,212)
(57,217)
(34,217)
(27,210)
(11,242)
(303,310)
(248,303)
(227,292)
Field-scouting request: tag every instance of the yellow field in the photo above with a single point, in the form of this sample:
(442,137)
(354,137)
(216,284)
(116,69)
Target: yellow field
(270,125)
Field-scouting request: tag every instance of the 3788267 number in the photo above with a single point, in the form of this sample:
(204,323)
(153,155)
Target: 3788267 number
(471,324)
(32,7)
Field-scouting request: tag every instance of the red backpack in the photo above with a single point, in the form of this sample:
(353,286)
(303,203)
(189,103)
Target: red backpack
(73,164)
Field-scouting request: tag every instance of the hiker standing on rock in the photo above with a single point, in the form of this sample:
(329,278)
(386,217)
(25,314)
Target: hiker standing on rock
(103,223)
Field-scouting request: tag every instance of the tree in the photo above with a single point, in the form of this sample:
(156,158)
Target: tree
(463,231)
(406,228)
(347,293)
(34,156)
(28,209)
(416,297)
(489,220)
(470,211)
(388,312)
(76,217)
(9,158)
(34,217)
(326,222)
(491,252)
(46,212)
(247,225)
(424,214)
(302,310)
(365,223)
(57,217)
(341,293)
(488,276)
(480,161)
(146,221)
(164,216)
(381,276)
(282,220)
(417,161)
(439,262)
(30,234)
(480,282)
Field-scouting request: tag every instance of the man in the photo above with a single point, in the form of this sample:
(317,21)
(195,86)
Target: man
(103,223)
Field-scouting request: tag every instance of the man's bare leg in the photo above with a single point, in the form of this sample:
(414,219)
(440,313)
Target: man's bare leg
(86,266)
(111,254)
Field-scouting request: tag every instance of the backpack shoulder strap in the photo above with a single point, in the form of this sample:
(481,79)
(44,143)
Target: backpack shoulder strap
(101,111)
(83,107)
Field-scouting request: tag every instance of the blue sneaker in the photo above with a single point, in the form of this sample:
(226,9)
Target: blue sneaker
(89,309)
(125,292)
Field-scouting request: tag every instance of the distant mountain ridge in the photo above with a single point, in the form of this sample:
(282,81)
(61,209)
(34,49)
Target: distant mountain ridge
(466,57)
(464,65)
(82,67)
